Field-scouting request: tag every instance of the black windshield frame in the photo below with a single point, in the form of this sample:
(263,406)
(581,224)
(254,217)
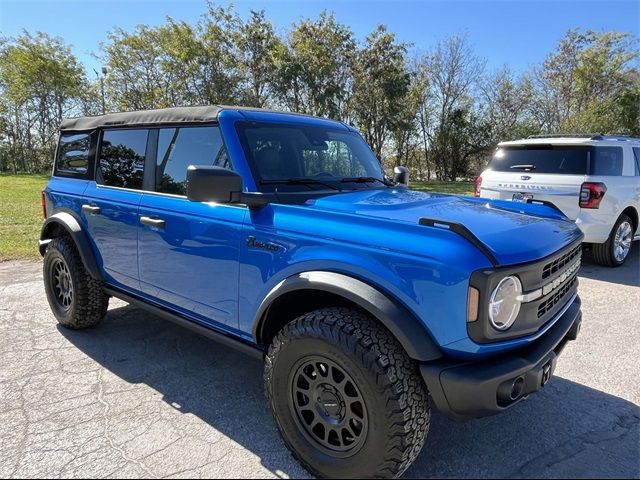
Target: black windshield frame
(279,184)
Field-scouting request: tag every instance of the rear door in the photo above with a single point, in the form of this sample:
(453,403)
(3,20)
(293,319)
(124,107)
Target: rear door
(553,173)
(110,204)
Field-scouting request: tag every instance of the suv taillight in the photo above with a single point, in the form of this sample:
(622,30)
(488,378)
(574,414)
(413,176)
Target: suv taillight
(476,187)
(43,204)
(591,194)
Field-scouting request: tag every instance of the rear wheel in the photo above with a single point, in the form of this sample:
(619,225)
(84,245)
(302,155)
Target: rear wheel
(76,299)
(615,250)
(347,400)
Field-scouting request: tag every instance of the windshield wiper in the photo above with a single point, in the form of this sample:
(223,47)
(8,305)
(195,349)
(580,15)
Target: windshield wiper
(307,182)
(524,167)
(366,180)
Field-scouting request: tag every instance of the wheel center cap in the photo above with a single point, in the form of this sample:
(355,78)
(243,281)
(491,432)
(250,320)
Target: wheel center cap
(329,403)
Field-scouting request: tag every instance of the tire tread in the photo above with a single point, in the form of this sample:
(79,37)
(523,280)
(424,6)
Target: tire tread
(396,377)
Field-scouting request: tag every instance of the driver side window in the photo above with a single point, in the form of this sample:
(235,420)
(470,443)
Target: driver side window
(180,147)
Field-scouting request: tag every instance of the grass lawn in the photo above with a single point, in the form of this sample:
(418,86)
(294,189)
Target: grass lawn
(457,188)
(20,215)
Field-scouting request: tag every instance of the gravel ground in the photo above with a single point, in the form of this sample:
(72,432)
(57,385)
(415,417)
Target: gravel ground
(140,397)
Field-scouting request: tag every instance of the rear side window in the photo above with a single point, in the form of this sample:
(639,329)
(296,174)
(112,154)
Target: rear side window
(73,154)
(606,161)
(180,147)
(542,159)
(122,154)
(636,154)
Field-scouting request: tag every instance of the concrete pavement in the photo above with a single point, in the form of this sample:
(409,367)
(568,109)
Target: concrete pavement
(140,397)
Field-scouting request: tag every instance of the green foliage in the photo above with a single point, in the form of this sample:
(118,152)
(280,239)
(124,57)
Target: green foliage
(380,86)
(41,82)
(20,215)
(454,188)
(440,113)
(590,83)
(257,46)
(313,67)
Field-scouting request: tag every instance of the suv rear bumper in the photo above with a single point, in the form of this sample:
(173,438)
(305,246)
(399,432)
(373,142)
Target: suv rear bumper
(466,390)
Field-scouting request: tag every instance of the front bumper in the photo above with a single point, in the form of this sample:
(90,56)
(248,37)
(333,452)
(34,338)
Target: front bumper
(466,390)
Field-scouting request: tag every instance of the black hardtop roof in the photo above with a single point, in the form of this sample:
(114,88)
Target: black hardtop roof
(160,116)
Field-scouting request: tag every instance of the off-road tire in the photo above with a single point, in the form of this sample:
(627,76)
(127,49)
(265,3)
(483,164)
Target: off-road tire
(395,395)
(88,303)
(603,253)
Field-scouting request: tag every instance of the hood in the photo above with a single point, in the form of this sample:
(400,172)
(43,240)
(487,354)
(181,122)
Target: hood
(512,232)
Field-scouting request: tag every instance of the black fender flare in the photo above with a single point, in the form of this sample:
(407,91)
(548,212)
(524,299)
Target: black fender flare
(72,226)
(403,324)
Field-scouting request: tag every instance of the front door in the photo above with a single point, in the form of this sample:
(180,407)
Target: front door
(188,251)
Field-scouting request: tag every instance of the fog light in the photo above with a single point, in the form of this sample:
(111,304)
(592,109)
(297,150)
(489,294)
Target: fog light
(504,304)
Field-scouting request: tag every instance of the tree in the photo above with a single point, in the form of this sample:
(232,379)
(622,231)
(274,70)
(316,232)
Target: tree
(175,64)
(454,71)
(504,103)
(41,82)
(380,83)
(257,45)
(313,67)
(588,77)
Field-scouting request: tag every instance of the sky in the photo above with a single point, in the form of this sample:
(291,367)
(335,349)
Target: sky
(517,33)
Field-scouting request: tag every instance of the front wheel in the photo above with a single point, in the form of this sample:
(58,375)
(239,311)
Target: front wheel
(615,250)
(347,400)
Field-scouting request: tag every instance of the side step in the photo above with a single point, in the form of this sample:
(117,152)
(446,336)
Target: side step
(222,338)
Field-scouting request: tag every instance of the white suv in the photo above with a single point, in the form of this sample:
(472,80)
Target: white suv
(594,180)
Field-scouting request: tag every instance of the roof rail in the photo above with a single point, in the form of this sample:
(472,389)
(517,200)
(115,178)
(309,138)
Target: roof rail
(590,136)
(622,137)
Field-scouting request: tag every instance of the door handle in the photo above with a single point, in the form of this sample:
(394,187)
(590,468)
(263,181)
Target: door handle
(152,222)
(91,209)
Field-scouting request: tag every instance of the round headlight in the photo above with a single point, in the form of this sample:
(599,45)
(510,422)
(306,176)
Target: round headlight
(504,304)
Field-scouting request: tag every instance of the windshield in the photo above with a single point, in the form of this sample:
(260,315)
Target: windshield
(308,157)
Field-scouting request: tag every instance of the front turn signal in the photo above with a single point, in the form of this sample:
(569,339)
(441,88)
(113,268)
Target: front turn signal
(472,304)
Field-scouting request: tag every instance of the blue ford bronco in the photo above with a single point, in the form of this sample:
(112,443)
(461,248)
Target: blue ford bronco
(280,234)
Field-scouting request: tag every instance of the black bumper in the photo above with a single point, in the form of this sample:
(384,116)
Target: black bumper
(466,390)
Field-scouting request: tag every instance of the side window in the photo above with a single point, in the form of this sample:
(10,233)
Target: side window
(636,154)
(73,154)
(606,161)
(180,147)
(122,154)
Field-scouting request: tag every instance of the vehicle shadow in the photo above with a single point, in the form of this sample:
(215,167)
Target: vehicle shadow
(627,274)
(566,430)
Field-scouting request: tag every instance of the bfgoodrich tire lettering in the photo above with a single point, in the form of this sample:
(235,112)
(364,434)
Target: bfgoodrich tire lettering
(395,400)
(76,299)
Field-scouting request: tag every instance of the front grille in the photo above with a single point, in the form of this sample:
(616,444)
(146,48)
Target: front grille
(548,304)
(553,267)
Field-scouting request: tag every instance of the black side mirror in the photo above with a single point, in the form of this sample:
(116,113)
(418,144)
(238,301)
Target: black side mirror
(212,184)
(219,185)
(401,176)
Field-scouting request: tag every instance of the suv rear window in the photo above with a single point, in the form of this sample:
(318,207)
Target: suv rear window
(558,159)
(122,154)
(73,154)
(542,159)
